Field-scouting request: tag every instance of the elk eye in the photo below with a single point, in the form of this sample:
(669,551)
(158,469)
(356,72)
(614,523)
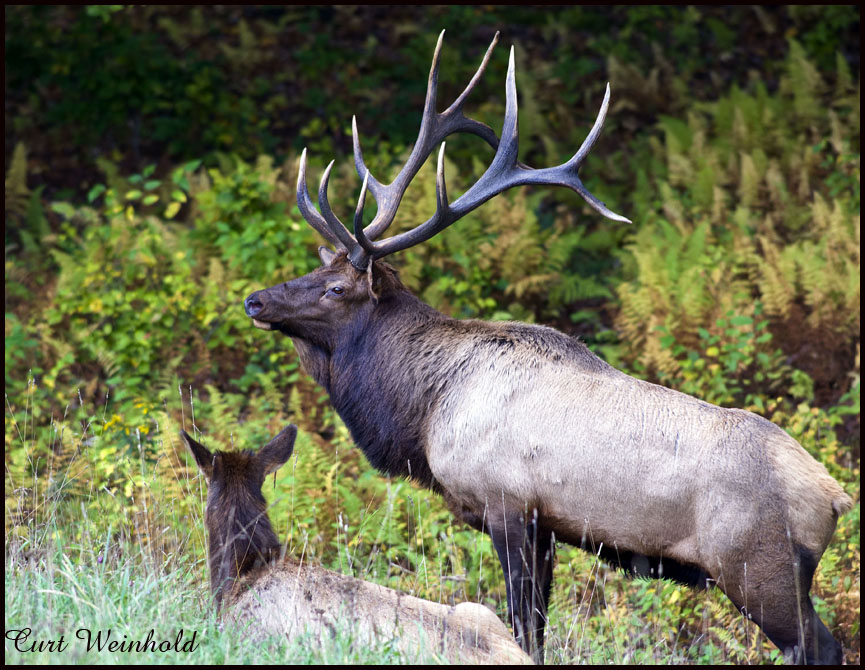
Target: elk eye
(336,290)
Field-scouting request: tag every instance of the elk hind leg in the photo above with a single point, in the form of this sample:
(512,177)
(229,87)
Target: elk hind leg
(804,638)
(781,606)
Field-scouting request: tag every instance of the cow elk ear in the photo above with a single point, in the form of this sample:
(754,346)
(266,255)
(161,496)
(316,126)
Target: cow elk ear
(275,453)
(326,255)
(203,457)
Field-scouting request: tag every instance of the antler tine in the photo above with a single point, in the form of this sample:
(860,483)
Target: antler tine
(577,161)
(362,239)
(594,133)
(442,206)
(464,124)
(429,107)
(308,210)
(506,154)
(458,103)
(362,170)
(336,226)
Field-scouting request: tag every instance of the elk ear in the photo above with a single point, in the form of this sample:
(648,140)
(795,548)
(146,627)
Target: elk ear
(370,282)
(326,255)
(275,453)
(203,457)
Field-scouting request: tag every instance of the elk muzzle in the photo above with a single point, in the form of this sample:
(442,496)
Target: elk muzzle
(254,306)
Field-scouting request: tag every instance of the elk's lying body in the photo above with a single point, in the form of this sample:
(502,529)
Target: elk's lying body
(253,585)
(294,599)
(530,436)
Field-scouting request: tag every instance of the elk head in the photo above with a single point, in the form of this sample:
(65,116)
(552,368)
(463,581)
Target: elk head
(309,307)
(239,532)
(305,307)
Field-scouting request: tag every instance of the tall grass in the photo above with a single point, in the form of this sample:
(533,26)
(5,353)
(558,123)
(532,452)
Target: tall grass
(86,600)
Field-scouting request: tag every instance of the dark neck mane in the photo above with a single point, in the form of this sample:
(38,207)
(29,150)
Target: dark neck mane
(377,380)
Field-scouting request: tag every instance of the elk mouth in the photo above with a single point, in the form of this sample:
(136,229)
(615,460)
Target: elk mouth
(276,326)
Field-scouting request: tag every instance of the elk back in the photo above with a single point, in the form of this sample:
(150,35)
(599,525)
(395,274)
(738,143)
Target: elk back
(293,599)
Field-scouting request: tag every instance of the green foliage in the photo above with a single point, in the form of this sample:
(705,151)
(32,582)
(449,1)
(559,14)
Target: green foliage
(20,349)
(820,27)
(243,216)
(114,85)
(26,225)
(131,296)
(752,206)
(734,364)
(141,275)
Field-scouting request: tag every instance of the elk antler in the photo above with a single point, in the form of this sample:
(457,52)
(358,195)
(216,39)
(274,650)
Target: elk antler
(504,172)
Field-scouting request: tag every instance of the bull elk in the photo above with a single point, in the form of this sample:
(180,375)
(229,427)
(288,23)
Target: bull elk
(253,583)
(532,438)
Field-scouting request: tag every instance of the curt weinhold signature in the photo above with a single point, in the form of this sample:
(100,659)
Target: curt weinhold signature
(101,640)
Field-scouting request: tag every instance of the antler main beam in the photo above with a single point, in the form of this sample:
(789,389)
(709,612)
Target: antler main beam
(504,172)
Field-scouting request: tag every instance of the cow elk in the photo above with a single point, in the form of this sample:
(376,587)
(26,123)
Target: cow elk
(532,438)
(253,583)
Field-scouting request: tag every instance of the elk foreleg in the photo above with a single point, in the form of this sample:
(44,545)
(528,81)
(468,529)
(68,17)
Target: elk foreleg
(525,550)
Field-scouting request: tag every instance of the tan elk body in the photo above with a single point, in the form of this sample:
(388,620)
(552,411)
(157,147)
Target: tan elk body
(681,478)
(278,595)
(532,438)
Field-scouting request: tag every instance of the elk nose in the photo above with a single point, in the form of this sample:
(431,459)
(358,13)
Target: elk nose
(253,305)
